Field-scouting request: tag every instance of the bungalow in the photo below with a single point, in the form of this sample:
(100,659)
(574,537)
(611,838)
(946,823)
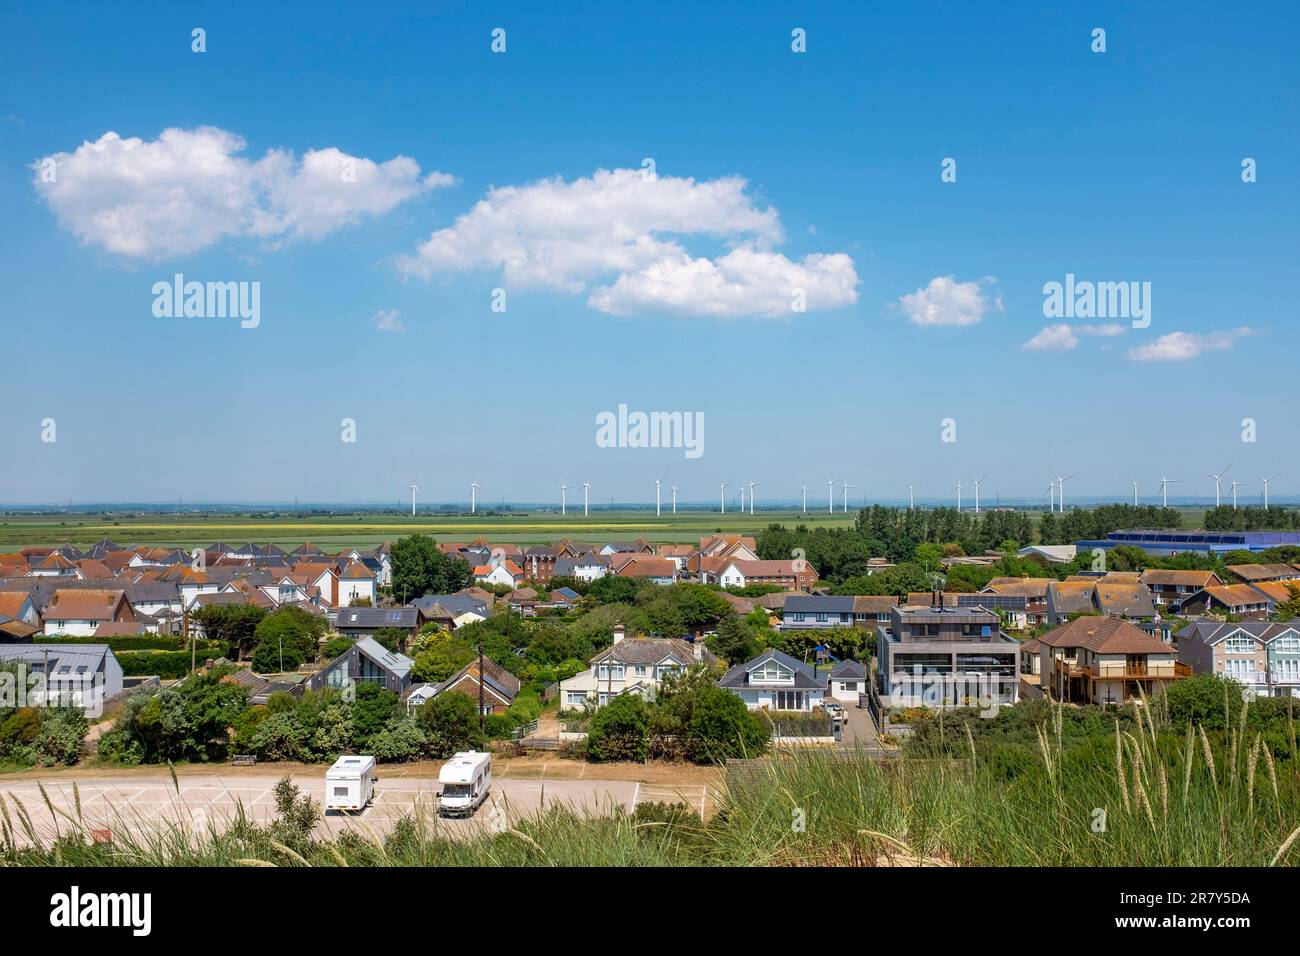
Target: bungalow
(79,612)
(776,681)
(812,611)
(790,574)
(630,666)
(499,686)
(1105,660)
(1257,573)
(1239,600)
(452,610)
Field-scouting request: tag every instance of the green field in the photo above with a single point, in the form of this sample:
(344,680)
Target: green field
(334,532)
(367,530)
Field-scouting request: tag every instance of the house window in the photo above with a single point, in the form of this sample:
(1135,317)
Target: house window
(1240,644)
(789,700)
(850,686)
(821,617)
(577,698)
(798,616)
(639,670)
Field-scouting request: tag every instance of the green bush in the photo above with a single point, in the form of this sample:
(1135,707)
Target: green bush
(169,665)
(450,723)
(272,658)
(619,730)
(337,646)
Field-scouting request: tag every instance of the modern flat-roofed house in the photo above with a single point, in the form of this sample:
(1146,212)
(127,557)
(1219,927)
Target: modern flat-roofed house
(1105,660)
(79,612)
(1262,655)
(847,680)
(813,611)
(775,681)
(83,675)
(365,661)
(1170,585)
(942,656)
(790,574)
(630,666)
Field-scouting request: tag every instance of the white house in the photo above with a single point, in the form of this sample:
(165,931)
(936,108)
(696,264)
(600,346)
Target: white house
(356,584)
(775,681)
(79,612)
(848,679)
(630,666)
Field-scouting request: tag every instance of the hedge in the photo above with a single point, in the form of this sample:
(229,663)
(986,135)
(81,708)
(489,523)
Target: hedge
(141,642)
(166,664)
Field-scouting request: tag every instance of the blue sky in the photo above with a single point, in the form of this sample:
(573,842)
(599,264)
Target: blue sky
(1115,166)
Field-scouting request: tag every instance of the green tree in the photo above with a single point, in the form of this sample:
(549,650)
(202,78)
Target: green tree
(233,624)
(450,723)
(733,641)
(619,730)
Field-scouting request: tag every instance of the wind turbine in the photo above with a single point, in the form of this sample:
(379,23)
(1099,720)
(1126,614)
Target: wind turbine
(1135,490)
(959,490)
(1051,495)
(658,482)
(845,491)
(414,489)
(977,491)
(752,486)
(830,494)
(1235,483)
(805,499)
(1266,481)
(1164,488)
(1210,474)
(1060,483)
(722,495)
(911,496)
(674,490)
(564,489)
(586,487)
(742,496)
(473,496)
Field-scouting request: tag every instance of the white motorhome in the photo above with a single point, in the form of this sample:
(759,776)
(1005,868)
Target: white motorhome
(465,779)
(350,783)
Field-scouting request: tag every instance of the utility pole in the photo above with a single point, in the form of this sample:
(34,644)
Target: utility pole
(480,687)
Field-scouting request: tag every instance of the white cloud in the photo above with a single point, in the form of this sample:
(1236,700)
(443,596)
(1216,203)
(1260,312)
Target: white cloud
(619,224)
(189,189)
(1053,338)
(1181,346)
(1062,336)
(949,303)
(1108,330)
(386,320)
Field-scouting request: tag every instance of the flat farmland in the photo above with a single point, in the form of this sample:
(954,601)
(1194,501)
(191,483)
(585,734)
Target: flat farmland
(367,530)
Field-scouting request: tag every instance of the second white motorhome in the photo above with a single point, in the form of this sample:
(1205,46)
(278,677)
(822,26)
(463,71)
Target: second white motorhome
(466,779)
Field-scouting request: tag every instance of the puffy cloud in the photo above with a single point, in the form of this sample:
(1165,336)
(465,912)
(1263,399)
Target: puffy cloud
(386,320)
(621,224)
(1181,346)
(947,302)
(188,189)
(1062,336)
(1053,338)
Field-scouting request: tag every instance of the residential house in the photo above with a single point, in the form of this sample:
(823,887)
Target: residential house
(1239,600)
(630,666)
(1169,586)
(505,572)
(81,675)
(499,686)
(453,610)
(776,681)
(658,570)
(813,611)
(792,574)
(584,567)
(356,586)
(79,612)
(943,656)
(367,660)
(1105,660)
(1262,655)
(365,621)
(1259,573)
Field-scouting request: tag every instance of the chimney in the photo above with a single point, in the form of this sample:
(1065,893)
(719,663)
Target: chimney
(697,648)
(619,633)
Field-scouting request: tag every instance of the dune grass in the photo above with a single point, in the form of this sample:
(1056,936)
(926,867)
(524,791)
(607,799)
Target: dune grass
(1150,796)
